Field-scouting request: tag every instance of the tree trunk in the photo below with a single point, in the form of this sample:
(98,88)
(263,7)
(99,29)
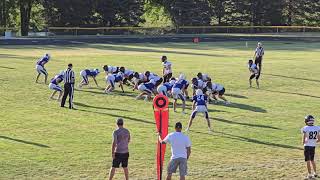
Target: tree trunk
(290,9)
(25,11)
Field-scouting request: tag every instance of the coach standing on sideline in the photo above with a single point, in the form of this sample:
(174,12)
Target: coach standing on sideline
(180,149)
(68,86)
(120,150)
(258,56)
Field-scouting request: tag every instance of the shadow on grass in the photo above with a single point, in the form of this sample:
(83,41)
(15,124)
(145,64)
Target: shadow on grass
(250,140)
(245,124)
(243,106)
(289,77)
(115,92)
(5,67)
(24,142)
(236,95)
(96,107)
(299,94)
(143,49)
(118,115)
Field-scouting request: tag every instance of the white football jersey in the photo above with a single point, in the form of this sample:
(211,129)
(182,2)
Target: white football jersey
(217,87)
(253,68)
(167,67)
(112,69)
(311,135)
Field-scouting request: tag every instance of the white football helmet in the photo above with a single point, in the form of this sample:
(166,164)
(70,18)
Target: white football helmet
(199,92)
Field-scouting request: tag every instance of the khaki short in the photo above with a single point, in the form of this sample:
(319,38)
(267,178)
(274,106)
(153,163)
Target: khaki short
(179,162)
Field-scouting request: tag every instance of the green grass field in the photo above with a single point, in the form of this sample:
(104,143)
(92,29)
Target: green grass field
(256,137)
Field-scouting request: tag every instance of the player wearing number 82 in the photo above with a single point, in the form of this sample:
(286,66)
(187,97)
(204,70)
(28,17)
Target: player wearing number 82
(310,137)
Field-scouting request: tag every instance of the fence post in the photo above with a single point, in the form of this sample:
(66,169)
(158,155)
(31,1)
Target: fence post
(277,30)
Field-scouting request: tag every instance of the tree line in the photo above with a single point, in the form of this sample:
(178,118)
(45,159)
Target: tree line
(38,14)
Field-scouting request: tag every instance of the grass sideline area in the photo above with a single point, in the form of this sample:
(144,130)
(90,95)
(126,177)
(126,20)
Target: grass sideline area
(256,137)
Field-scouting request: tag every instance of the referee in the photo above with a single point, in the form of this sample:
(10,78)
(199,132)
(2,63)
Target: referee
(68,86)
(258,55)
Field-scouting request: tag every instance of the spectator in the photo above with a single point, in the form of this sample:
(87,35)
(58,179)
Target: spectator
(180,149)
(120,151)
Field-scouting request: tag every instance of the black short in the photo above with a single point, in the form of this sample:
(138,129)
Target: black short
(258,60)
(120,158)
(309,153)
(158,82)
(255,76)
(167,77)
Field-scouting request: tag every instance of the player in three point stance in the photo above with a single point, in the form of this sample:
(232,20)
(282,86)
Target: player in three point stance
(146,90)
(197,84)
(166,87)
(199,105)
(88,73)
(167,69)
(177,93)
(254,73)
(114,78)
(128,76)
(310,137)
(111,69)
(40,67)
(54,85)
(216,90)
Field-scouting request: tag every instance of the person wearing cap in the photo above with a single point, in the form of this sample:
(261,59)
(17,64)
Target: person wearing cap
(68,86)
(88,73)
(180,151)
(310,137)
(40,67)
(258,55)
(120,150)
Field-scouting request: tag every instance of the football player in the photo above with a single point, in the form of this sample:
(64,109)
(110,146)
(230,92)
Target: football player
(88,73)
(199,105)
(166,87)
(217,90)
(177,93)
(111,69)
(167,69)
(40,67)
(114,78)
(254,73)
(310,137)
(54,85)
(146,90)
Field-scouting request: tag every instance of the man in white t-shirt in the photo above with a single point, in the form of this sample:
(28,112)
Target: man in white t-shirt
(310,137)
(167,69)
(180,149)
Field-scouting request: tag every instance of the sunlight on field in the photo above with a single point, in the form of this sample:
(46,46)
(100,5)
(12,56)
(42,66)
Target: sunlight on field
(256,137)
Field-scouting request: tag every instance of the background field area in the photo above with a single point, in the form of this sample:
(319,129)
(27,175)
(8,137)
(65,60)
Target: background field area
(256,137)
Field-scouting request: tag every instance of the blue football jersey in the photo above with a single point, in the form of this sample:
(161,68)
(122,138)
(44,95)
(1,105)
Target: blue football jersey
(149,86)
(43,60)
(55,79)
(200,100)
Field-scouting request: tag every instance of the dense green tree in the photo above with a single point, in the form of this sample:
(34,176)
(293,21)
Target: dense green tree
(69,12)
(120,12)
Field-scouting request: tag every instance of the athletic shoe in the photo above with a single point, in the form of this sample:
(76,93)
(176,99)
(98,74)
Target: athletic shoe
(183,112)
(315,175)
(308,177)
(227,103)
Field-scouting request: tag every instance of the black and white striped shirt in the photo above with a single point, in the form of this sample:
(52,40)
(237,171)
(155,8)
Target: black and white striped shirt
(69,76)
(259,51)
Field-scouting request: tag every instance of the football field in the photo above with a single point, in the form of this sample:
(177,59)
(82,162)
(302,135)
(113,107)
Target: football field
(256,137)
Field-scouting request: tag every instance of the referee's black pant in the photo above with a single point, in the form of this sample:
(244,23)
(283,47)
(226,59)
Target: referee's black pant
(68,90)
